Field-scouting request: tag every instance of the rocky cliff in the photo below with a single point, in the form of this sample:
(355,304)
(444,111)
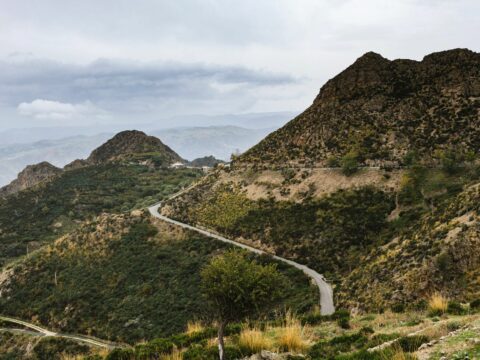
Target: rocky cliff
(32,175)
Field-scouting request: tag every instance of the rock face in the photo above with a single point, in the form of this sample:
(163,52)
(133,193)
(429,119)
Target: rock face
(381,109)
(32,175)
(131,142)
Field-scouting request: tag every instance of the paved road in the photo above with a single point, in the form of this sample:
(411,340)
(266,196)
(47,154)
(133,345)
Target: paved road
(45,332)
(326,293)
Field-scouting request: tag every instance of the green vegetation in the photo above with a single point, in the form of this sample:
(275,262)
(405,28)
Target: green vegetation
(237,288)
(119,278)
(344,222)
(22,346)
(350,163)
(36,216)
(324,341)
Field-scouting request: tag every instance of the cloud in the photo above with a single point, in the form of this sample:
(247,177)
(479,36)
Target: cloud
(49,89)
(55,110)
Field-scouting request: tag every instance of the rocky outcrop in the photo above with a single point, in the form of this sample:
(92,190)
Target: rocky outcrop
(32,175)
(381,109)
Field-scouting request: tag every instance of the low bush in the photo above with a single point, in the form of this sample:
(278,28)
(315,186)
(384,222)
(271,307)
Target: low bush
(411,343)
(398,308)
(455,308)
(344,323)
(475,305)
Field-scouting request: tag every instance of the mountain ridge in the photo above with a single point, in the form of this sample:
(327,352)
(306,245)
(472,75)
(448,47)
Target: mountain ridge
(382,109)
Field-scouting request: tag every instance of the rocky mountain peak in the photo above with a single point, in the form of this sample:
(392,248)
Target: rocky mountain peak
(384,108)
(30,176)
(131,142)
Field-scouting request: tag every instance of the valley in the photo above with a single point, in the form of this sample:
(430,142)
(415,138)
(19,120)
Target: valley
(364,209)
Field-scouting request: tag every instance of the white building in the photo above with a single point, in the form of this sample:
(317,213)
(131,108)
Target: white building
(177,165)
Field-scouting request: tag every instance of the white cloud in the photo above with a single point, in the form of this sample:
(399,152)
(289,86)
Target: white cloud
(55,110)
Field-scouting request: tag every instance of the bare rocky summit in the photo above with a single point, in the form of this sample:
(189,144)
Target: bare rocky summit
(382,109)
(32,175)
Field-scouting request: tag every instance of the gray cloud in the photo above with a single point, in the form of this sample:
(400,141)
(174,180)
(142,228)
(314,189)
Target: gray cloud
(111,81)
(166,51)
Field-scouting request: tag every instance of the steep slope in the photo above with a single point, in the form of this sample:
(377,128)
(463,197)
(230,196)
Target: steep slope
(126,143)
(381,109)
(302,193)
(32,175)
(440,253)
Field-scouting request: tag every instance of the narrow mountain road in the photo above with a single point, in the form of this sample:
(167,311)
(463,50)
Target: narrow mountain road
(326,293)
(45,332)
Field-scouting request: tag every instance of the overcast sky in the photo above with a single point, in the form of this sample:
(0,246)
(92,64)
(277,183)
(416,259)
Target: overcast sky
(68,62)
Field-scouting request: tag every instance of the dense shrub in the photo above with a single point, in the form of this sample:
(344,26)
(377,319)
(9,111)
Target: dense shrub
(51,348)
(455,308)
(350,163)
(475,305)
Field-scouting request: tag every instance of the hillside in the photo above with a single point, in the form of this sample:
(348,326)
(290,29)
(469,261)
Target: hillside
(378,110)
(368,229)
(115,178)
(38,215)
(122,277)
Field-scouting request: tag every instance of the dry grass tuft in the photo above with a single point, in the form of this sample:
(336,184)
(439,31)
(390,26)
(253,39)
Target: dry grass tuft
(437,304)
(175,355)
(194,327)
(254,341)
(292,335)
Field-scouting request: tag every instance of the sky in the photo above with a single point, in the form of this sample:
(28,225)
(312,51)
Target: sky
(100,62)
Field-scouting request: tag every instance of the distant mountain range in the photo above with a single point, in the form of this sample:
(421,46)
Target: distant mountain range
(189,142)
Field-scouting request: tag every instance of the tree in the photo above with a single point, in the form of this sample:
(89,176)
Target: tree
(237,288)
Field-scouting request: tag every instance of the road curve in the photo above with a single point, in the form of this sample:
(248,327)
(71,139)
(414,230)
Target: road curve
(45,332)
(326,293)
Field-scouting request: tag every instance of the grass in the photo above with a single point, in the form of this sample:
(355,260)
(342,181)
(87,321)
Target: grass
(194,327)
(437,304)
(252,341)
(291,335)
(175,355)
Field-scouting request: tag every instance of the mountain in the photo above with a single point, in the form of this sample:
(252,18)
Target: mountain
(219,141)
(380,110)
(189,142)
(32,175)
(126,143)
(372,186)
(209,161)
(15,157)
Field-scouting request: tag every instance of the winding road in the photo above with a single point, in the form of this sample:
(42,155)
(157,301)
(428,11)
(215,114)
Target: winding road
(45,332)
(326,293)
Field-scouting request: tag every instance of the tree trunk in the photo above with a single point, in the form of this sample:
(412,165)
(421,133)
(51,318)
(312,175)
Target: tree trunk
(221,345)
